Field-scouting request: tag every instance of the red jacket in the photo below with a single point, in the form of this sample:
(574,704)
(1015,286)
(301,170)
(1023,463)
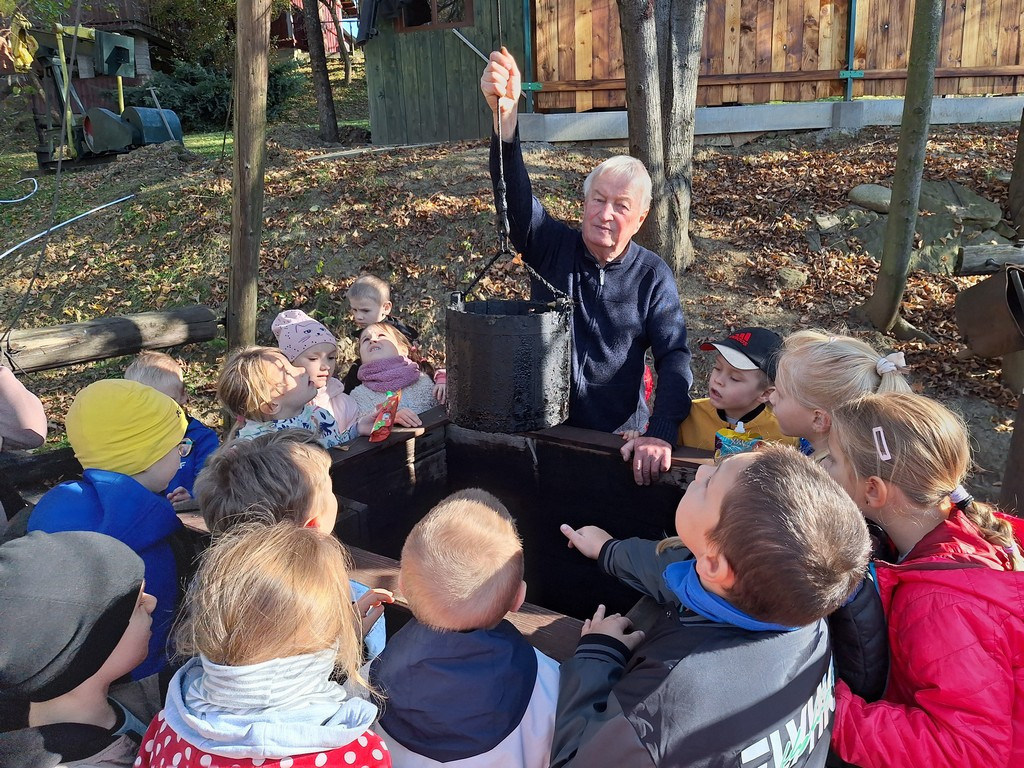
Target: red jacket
(955,697)
(163,748)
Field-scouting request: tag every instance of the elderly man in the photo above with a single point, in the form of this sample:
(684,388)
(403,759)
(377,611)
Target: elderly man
(626,299)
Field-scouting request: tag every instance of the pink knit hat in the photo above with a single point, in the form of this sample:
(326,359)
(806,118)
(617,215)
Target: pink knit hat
(296,332)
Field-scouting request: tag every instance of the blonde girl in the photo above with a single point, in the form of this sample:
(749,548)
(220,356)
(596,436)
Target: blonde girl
(818,372)
(266,392)
(271,626)
(385,366)
(954,601)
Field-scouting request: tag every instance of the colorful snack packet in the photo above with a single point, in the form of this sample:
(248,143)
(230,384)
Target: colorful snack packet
(384,420)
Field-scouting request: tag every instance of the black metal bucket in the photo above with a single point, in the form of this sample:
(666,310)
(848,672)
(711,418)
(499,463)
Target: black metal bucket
(509,365)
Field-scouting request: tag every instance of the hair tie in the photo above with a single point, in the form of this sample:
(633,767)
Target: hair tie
(961,498)
(239,420)
(891,363)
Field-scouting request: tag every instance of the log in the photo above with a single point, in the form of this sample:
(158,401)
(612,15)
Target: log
(987,259)
(40,349)
(23,469)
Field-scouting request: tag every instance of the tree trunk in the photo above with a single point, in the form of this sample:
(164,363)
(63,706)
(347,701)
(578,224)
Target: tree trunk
(318,63)
(883,306)
(679,115)
(643,116)
(251,63)
(1015,201)
(343,48)
(661,41)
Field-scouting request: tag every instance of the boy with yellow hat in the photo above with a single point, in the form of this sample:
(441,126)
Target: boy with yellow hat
(129,440)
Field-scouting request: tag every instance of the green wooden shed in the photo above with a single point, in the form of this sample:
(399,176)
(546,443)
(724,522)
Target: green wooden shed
(423,81)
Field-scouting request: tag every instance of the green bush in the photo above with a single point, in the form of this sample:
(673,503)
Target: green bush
(200,96)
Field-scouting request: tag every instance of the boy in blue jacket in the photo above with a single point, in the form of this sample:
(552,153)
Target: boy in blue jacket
(163,373)
(129,439)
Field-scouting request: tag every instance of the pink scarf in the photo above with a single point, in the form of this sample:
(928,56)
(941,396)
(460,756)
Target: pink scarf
(389,374)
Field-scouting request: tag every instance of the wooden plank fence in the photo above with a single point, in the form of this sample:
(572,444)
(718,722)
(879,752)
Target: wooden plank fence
(756,51)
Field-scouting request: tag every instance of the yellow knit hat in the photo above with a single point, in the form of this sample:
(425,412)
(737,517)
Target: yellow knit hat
(123,426)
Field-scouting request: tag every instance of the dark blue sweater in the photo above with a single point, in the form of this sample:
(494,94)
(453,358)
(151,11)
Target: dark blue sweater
(621,310)
(204,442)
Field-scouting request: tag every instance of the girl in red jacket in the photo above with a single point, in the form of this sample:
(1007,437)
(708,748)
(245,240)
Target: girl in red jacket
(270,620)
(954,600)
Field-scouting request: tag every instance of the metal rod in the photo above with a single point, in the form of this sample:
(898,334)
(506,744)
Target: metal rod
(54,228)
(851,33)
(472,47)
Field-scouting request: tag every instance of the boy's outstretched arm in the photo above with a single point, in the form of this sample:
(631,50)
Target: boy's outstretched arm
(587,721)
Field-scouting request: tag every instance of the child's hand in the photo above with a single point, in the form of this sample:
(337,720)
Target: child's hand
(616,625)
(365,424)
(178,495)
(630,434)
(407,418)
(370,607)
(588,540)
(441,392)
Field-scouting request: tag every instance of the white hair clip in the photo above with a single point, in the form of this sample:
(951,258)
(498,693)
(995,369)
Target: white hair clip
(891,363)
(880,445)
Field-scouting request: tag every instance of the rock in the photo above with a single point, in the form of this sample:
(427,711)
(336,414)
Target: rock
(988,237)
(937,257)
(813,238)
(855,217)
(874,197)
(1007,230)
(949,197)
(827,221)
(871,236)
(790,278)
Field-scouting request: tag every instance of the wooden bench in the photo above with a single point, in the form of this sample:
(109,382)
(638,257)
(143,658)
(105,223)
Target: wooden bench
(552,633)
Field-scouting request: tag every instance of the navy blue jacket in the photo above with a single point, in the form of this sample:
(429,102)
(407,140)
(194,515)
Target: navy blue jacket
(118,506)
(621,310)
(204,442)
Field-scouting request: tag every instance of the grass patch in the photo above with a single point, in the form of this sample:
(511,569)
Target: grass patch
(210,144)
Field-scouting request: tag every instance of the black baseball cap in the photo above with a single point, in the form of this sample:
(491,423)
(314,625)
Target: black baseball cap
(748,349)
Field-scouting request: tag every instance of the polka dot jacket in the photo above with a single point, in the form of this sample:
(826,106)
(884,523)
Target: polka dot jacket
(163,748)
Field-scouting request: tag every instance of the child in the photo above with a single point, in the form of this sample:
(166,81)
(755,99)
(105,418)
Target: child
(285,474)
(817,373)
(462,685)
(385,367)
(129,439)
(270,625)
(954,603)
(735,668)
(369,300)
(162,373)
(267,393)
(75,618)
(736,414)
(309,345)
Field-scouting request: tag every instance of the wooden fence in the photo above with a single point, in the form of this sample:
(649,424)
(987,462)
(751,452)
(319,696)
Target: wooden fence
(756,51)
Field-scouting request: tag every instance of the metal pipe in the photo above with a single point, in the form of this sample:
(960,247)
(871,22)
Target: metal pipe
(35,188)
(66,66)
(527,52)
(851,33)
(120,94)
(45,232)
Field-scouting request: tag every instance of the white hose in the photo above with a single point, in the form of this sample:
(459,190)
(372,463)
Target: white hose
(11,250)
(35,189)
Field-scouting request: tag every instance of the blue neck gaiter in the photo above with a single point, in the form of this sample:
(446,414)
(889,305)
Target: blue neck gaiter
(682,579)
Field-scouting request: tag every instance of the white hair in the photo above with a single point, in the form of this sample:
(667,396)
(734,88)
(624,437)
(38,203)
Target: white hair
(626,169)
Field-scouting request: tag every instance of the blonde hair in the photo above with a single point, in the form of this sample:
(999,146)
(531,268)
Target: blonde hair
(370,287)
(623,168)
(271,591)
(397,337)
(796,542)
(243,386)
(284,474)
(462,564)
(930,454)
(159,371)
(824,371)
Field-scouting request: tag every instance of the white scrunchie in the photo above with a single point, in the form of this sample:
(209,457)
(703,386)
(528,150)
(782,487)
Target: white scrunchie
(891,363)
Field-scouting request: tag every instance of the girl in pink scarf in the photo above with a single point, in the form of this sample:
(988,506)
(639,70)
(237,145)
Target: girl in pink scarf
(385,367)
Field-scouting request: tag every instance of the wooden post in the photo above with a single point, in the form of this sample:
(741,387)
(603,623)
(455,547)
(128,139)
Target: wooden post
(250,125)
(55,346)
(1012,497)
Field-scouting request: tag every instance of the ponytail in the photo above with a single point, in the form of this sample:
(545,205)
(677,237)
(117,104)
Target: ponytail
(995,529)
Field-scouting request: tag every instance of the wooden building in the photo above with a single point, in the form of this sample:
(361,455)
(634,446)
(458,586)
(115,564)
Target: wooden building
(423,81)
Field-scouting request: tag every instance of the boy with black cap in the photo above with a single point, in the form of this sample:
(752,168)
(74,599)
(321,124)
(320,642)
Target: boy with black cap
(129,439)
(75,618)
(736,412)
